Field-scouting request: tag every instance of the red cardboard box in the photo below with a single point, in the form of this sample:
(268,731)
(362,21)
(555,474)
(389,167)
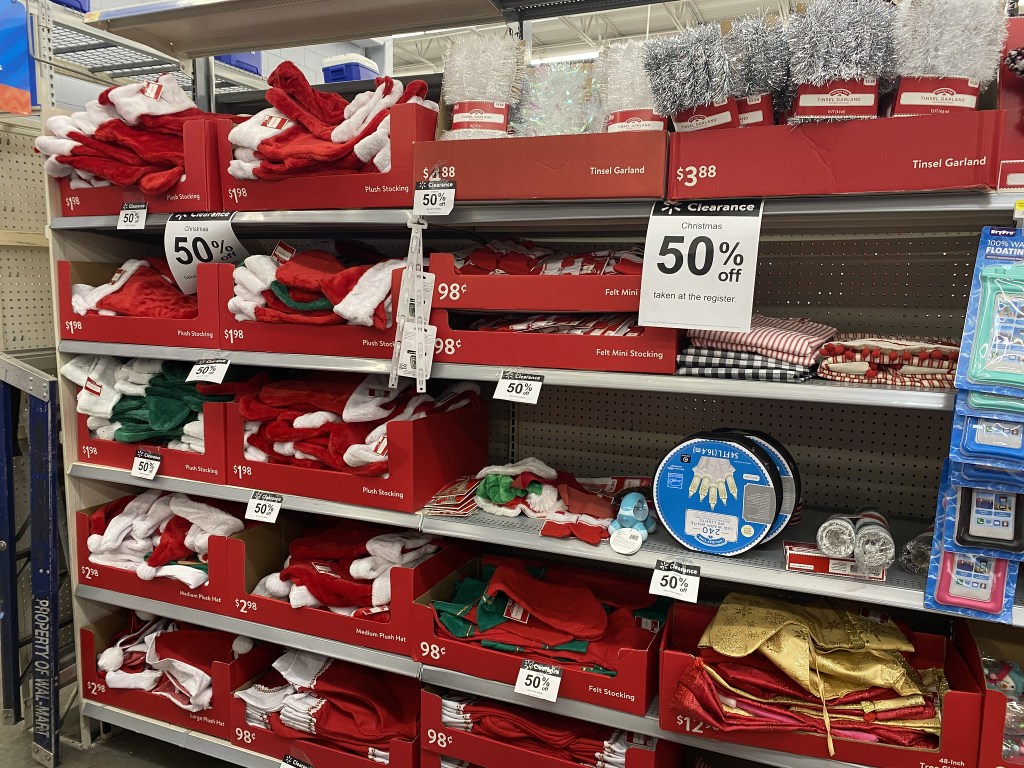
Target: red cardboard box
(206,467)
(532,293)
(436,738)
(631,690)
(1004,645)
(423,456)
(199,191)
(654,351)
(298,339)
(202,332)
(402,754)
(961,706)
(409,123)
(215,721)
(1011,101)
(211,597)
(630,164)
(931,152)
(254,553)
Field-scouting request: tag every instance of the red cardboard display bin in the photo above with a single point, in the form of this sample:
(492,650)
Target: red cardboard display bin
(1005,646)
(423,456)
(202,332)
(401,754)
(206,467)
(212,597)
(198,191)
(1011,100)
(630,690)
(255,552)
(215,721)
(532,293)
(298,339)
(436,738)
(929,152)
(961,705)
(626,165)
(654,351)
(409,123)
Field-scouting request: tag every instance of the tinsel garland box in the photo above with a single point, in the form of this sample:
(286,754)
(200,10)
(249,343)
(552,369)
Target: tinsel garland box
(409,123)
(1011,99)
(202,332)
(961,704)
(626,165)
(928,152)
(199,189)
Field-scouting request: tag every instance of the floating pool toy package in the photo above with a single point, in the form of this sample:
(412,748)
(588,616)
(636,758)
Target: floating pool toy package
(987,441)
(984,518)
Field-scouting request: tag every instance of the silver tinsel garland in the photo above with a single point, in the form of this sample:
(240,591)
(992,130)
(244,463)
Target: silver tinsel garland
(557,99)
(622,81)
(841,40)
(950,38)
(688,70)
(483,66)
(759,56)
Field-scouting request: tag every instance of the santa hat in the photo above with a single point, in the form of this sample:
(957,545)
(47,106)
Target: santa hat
(120,526)
(186,658)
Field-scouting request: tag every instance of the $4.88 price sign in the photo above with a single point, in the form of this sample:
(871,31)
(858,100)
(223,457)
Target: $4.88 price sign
(519,387)
(539,680)
(700,264)
(146,464)
(191,239)
(676,580)
(263,506)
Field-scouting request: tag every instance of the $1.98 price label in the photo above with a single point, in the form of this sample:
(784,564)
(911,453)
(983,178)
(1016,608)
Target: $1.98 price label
(700,264)
(263,506)
(676,580)
(539,680)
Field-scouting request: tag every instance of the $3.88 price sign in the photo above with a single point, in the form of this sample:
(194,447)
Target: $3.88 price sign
(263,506)
(676,580)
(541,681)
(700,264)
(519,387)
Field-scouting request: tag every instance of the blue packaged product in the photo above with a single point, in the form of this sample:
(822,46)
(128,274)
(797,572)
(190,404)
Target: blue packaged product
(987,441)
(969,475)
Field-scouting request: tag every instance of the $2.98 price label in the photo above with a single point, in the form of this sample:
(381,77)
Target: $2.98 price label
(263,506)
(700,264)
(676,580)
(541,681)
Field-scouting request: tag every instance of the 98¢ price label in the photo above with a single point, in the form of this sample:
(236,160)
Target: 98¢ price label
(541,681)
(676,580)
(263,506)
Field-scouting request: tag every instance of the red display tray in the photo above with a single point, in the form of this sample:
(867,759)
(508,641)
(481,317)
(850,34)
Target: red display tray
(401,754)
(202,332)
(631,690)
(654,351)
(1011,100)
(930,152)
(199,191)
(208,467)
(212,597)
(424,456)
(532,293)
(254,553)
(297,339)
(215,721)
(625,165)
(961,706)
(436,738)
(409,123)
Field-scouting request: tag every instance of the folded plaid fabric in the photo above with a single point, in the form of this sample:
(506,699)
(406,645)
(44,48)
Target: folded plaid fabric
(795,340)
(750,374)
(722,358)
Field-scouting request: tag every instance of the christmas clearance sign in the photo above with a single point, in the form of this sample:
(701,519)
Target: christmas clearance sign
(700,264)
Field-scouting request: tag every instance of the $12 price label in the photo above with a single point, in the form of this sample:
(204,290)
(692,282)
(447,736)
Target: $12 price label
(519,387)
(146,464)
(212,369)
(676,580)
(700,264)
(433,198)
(541,681)
(263,506)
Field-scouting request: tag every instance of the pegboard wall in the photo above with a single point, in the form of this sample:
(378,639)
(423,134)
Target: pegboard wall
(22,187)
(25,299)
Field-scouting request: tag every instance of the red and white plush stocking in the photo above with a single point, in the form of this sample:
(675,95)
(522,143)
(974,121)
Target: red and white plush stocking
(136,290)
(359,294)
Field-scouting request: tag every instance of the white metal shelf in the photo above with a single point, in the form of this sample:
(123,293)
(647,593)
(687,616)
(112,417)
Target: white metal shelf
(814,391)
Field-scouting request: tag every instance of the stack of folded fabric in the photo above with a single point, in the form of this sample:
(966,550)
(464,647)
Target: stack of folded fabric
(775,349)
(331,702)
(139,288)
(306,132)
(550,735)
(513,257)
(346,568)
(767,665)
(579,619)
(896,361)
(140,400)
(175,661)
(132,134)
(159,535)
(336,421)
(316,288)
(576,325)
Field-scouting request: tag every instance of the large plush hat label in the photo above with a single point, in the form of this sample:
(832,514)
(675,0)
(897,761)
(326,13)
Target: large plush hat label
(718,494)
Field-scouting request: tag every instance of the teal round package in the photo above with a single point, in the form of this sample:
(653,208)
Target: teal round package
(718,493)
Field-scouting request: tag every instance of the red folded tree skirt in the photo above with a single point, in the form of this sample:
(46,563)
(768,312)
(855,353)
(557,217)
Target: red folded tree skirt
(899,361)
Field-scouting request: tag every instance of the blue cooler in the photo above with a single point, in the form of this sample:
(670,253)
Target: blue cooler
(250,61)
(349,67)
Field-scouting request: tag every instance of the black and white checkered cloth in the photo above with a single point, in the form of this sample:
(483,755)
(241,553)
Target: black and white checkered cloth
(727,364)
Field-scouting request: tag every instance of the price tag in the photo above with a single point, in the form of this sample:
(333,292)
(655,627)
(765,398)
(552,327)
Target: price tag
(212,370)
(264,506)
(146,464)
(133,216)
(293,762)
(700,264)
(191,239)
(519,387)
(539,680)
(433,198)
(407,362)
(676,580)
